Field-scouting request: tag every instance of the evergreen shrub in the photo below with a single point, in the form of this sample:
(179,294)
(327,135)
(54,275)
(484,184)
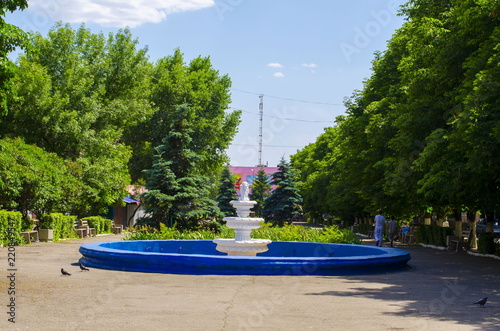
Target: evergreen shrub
(486,243)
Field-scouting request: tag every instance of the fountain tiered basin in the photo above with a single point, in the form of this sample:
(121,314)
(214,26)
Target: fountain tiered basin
(242,244)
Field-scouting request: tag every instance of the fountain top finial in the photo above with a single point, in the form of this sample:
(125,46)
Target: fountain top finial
(244,192)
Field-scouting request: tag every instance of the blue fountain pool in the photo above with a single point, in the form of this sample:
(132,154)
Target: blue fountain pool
(283,258)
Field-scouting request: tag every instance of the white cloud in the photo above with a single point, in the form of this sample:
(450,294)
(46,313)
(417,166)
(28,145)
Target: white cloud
(309,65)
(279,74)
(115,13)
(275,65)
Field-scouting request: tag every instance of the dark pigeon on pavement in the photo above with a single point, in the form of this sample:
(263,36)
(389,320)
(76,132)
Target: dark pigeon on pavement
(65,273)
(481,302)
(83,268)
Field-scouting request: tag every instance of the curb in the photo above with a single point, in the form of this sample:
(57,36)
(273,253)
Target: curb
(442,248)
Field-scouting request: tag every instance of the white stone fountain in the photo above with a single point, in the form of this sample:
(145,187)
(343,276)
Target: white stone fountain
(242,244)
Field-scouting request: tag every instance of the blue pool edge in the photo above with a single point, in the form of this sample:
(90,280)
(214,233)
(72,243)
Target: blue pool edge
(199,257)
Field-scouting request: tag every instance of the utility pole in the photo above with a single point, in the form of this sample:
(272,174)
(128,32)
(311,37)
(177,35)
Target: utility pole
(261,114)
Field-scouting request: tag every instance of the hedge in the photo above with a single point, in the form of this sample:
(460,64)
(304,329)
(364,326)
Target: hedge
(486,243)
(63,225)
(432,234)
(101,224)
(10,228)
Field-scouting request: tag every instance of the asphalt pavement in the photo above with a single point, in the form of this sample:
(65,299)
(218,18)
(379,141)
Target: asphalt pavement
(437,292)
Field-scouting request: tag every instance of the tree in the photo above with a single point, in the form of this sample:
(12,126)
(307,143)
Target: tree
(261,190)
(422,134)
(77,94)
(200,86)
(178,193)
(284,202)
(11,37)
(227,193)
(32,180)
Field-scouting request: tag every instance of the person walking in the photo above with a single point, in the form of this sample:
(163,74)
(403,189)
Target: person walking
(391,227)
(379,228)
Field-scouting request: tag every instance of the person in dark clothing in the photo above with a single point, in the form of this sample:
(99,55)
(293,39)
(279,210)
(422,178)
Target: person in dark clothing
(392,226)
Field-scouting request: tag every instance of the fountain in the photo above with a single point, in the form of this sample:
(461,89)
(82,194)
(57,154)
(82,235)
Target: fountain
(242,244)
(238,256)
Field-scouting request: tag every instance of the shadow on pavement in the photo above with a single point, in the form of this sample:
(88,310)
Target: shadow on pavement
(439,285)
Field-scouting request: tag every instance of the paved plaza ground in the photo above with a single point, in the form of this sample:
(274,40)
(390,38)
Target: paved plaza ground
(436,293)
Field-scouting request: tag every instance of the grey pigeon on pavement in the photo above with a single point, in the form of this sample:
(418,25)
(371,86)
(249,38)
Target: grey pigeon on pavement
(83,268)
(481,302)
(65,273)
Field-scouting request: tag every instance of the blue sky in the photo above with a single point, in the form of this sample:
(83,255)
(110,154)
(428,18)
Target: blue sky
(305,57)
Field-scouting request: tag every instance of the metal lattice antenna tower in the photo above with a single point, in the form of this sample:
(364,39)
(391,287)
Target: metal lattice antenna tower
(261,114)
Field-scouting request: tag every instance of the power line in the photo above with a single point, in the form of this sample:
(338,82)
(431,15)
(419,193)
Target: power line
(279,146)
(285,118)
(290,99)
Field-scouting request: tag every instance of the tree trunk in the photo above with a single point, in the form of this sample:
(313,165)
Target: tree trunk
(458,223)
(490,219)
(471,221)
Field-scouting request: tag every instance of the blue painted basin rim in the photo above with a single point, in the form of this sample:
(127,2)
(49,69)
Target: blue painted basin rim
(282,258)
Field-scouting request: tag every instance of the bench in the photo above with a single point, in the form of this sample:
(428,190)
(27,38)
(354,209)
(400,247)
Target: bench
(116,229)
(30,234)
(459,243)
(80,232)
(83,229)
(33,233)
(90,232)
(409,237)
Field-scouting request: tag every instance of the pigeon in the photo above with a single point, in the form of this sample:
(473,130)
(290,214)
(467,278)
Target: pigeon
(83,268)
(481,302)
(65,273)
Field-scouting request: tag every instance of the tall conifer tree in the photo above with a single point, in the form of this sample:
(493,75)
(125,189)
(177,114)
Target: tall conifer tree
(284,202)
(178,195)
(261,190)
(227,193)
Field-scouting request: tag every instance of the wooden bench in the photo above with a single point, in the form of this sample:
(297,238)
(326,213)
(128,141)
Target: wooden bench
(91,232)
(83,229)
(459,243)
(30,234)
(116,229)
(80,232)
(409,237)
(33,233)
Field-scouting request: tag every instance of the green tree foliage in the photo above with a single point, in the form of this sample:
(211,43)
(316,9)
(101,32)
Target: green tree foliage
(178,192)
(200,86)
(423,133)
(77,94)
(261,190)
(34,180)
(97,103)
(227,192)
(285,200)
(10,227)
(11,37)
